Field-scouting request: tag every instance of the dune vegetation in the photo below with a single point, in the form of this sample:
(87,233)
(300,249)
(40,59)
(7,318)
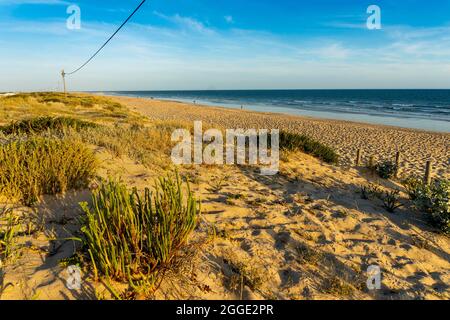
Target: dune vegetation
(135,238)
(34,166)
(43,124)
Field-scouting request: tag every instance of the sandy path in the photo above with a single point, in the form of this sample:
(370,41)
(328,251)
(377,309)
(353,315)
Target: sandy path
(346,137)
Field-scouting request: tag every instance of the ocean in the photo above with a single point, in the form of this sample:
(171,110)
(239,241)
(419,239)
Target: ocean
(419,109)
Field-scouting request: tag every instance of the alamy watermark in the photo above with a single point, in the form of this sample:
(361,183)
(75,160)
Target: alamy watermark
(373,277)
(73,281)
(73,22)
(250,146)
(374,20)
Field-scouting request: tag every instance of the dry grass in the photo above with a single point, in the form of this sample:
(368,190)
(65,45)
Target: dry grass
(148,145)
(243,274)
(80,106)
(308,255)
(337,287)
(42,124)
(31,167)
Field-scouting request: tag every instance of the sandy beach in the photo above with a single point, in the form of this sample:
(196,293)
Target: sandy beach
(382,142)
(306,233)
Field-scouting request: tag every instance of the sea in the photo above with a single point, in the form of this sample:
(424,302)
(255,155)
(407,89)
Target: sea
(418,109)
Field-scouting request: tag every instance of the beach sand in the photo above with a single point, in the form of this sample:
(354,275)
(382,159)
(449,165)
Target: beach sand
(382,142)
(305,233)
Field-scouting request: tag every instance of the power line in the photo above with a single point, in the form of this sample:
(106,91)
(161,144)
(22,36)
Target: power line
(104,45)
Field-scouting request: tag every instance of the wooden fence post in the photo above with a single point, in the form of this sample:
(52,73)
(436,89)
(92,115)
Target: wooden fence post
(397,163)
(358,157)
(427,178)
(372,162)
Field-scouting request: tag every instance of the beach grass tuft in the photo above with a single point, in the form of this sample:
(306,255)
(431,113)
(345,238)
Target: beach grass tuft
(297,142)
(34,166)
(42,124)
(148,146)
(133,237)
(8,229)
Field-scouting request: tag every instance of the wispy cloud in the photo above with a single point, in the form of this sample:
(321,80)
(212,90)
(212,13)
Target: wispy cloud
(54,27)
(346,25)
(183,51)
(46,2)
(186,23)
(405,32)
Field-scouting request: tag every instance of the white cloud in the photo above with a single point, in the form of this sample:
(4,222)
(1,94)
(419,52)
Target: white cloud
(334,51)
(229,19)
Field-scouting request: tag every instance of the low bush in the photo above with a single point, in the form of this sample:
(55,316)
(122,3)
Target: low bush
(134,238)
(386,169)
(36,166)
(296,142)
(43,124)
(435,200)
(414,187)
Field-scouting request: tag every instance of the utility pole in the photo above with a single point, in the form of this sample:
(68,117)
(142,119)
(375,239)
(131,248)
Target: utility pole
(63,74)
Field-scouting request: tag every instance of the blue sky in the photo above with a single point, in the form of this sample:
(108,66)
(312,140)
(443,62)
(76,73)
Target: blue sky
(233,44)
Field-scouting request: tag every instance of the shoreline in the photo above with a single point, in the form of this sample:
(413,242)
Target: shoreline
(358,112)
(346,137)
(302,116)
(224,108)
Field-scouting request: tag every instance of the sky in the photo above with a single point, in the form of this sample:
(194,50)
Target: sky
(218,44)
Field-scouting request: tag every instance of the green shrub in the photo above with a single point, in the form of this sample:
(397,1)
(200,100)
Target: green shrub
(296,142)
(386,169)
(36,166)
(134,238)
(414,187)
(43,124)
(434,200)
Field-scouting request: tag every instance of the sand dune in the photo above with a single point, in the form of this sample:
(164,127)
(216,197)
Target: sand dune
(305,233)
